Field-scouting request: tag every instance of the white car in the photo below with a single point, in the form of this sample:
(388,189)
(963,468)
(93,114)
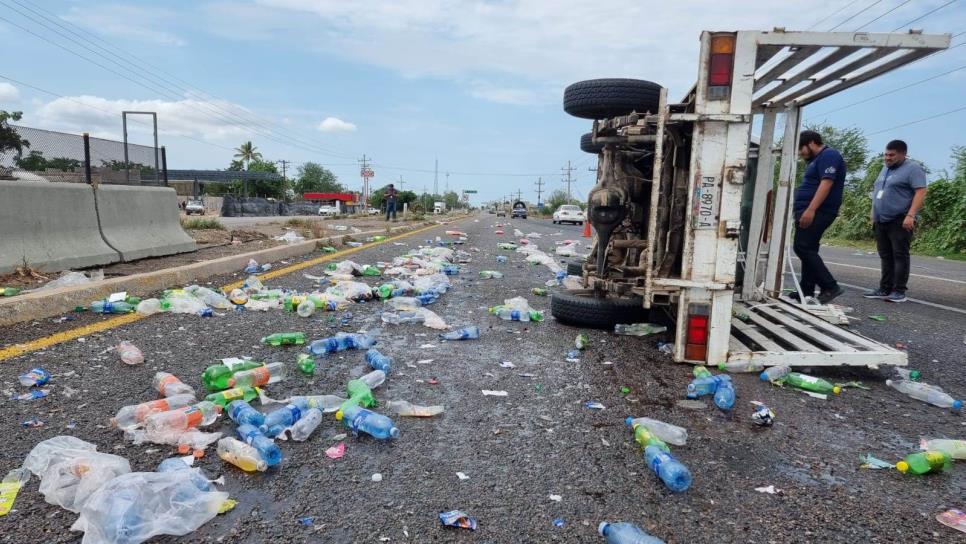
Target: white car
(569,213)
(328,210)
(373,211)
(194,206)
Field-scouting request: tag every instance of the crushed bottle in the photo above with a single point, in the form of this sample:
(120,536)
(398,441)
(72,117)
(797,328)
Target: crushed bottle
(406,408)
(638,329)
(626,533)
(34,378)
(129,353)
(134,414)
(925,393)
(465,333)
(358,419)
(240,454)
(169,385)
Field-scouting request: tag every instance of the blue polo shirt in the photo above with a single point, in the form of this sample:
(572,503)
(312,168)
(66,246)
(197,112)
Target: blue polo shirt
(827,164)
(893,190)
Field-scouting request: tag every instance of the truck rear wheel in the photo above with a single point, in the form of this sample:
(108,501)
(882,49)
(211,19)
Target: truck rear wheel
(575,269)
(587,144)
(596,313)
(603,98)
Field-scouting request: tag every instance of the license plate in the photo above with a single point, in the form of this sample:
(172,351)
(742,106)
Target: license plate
(705,213)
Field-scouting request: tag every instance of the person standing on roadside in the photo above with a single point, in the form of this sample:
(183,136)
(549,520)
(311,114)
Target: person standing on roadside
(817,202)
(390,197)
(897,196)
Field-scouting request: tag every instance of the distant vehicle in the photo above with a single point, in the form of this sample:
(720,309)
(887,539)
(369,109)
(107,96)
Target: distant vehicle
(439,207)
(194,205)
(568,213)
(519,210)
(328,210)
(501,212)
(373,211)
(491,210)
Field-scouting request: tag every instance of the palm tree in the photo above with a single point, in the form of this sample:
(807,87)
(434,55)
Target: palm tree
(247,152)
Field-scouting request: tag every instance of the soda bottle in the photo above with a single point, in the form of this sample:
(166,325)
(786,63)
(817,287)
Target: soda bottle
(955,448)
(466,333)
(909,375)
(378,361)
(358,419)
(134,414)
(402,318)
(700,387)
(701,371)
(774,373)
(724,396)
(360,389)
(326,403)
(810,383)
(266,447)
(291,302)
(405,408)
(9,291)
(539,291)
(238,296)
(672,434)
(280,418)
(242,413)
(306,425)
(508,314)
(223,398)
(148,306)
(581,341)
(369,270)
(638,329)
(306,308)
(644,437)
(216,377)
(925,393)
(182,419)
(35,377)
(285,339)
(924,462)
(306,363)
(626,533)
(169,385)
(105,307)
(259,377)
(241,455)
(741,366)
(674,475)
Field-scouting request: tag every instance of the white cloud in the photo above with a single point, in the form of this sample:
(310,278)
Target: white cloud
(8,93)
(334,124)
(128,22)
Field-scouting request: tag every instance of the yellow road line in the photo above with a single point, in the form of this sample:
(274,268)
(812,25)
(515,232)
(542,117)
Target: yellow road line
(114,322)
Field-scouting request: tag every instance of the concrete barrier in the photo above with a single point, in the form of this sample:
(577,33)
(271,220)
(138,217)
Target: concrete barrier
(141,221)
(51,226)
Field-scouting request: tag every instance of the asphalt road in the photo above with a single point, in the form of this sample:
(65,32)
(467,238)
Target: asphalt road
(539,440)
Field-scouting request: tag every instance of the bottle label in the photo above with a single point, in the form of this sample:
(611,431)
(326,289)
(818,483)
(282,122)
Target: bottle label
(295,411)
(170,379)
(358,421)
(260,375)
(659,459)
(232,394)
(808,379)
(193,416)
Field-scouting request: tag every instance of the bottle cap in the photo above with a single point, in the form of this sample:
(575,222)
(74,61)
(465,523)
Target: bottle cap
(339,415)
(902,467)
(957,405)
(836,389)
(629,421)
(763,377)
(602,528)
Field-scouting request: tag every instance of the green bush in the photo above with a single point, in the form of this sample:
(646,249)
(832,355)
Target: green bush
(199,223)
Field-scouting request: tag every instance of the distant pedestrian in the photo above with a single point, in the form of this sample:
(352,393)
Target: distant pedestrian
(897,197)
(390,198)
(817,202)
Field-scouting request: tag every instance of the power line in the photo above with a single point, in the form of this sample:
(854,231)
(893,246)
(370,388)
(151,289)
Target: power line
(881,16)
(897,89)
(924,15)
(917,121)
(539,185)
(833,14)
(854,15)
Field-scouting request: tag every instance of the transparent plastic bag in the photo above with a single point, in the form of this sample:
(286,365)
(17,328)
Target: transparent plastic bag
(68,279)
(351,290)
(345,267)
(70,469)
(290,237)
(54,450)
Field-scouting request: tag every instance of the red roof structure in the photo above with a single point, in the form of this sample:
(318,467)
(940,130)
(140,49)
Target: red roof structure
(344,197)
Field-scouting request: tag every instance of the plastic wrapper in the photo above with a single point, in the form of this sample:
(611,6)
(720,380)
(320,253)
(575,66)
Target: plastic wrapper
(344,267)
(572,283)
(567,250)
(136,506)
(71,470)
(436,282)
(68,279)
(290,237)
(351,290)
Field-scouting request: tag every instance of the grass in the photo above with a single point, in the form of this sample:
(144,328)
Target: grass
(300,222)
(869,245)
(199,223)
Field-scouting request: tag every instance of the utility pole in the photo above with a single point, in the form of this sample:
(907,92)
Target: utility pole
(539,189)
(447,182)
(401,182)
(284,164)
(519,194)
(436,178)
(568,169)
(366,173)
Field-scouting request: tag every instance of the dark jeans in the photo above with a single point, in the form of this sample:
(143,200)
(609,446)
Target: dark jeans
(893,241)
(390,209)
(806,245)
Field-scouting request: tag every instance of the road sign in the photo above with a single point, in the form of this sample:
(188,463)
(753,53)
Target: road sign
(470,191)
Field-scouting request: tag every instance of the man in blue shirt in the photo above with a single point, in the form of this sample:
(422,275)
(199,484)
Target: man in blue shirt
(817,202)
(897,197)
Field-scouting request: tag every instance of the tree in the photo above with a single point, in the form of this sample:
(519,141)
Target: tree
(851,143)
(265,188)
(315,178)
(452,200)
(10,139)
(247,152)
(559,198)
(34,162)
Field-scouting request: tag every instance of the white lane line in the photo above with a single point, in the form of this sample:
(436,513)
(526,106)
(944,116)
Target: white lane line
(910,299)
(877,270)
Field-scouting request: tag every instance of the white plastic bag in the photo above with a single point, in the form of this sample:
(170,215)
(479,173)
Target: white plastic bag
(290,237)
(68,279)
(71,469)
(351,290)
(345,267)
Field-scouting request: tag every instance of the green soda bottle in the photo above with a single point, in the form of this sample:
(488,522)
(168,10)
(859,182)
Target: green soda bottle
(132,300)
(285,339)
(701,371)
(9,291)
(581,341)
(385,290)
(644,437)
(292,302)
(328,249)
(536,315)
(539,291)
(216,377)
(924,462)
(266,295)
(360,394)
(306,363)
(223,398)
(810,383)
(369,270)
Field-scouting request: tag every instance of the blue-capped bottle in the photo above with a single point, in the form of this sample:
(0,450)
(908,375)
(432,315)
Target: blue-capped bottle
(466,333)
(427,297)
(242,413)
(724,396)
(700,387)
(626,533)
(674,475)
(264,445)
(359,420)
(378,361)
(451,270)
(286,416)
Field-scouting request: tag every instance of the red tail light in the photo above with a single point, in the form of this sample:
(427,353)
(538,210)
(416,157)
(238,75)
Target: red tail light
(721,65)
(696,341)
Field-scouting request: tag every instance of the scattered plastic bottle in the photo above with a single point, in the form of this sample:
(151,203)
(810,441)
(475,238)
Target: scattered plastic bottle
(241,455)
(925,393)
(223,398)
(955,448)
(252,283)
(259,377)
(427,298)
(302,429)
(326,403)
(105,307)
(238,297)
(924,462)
(242,413)
(539,291)
(358,419)
(581,341)
(909,375)
(502,259)
(369,270)
(406,408)
(305,363)
(701,371)
(148,306)
(626,533)
(34,378)
(672,434)
(182,419)
(810,383)
(724,396)
(134,414)
(212,298)
(508,314)
(775,373)
(741,366)
(9,291)
(378,361)
(217,377)
(341,342)
(169,385)
(129,353)
(285,339)
(402,318)
(465,333)
(266,447)
(644,437)
(638,329)
(491,274)
(700,387)
(674,475)
(280,418)
(306,308)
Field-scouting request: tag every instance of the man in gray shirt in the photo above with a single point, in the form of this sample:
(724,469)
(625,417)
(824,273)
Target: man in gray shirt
(897,197)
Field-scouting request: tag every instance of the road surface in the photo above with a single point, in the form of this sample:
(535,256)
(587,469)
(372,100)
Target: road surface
(541,466)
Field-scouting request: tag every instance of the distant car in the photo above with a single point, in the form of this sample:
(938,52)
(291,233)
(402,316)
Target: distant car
(328,210)
(501,212)
(519,210)
(491,211)
(569,213)
(373,211)
(194,206)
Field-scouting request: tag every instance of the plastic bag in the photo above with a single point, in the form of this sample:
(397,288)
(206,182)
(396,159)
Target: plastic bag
(431,319)
(68,279)
(290,237)
(351,290)
(344,267)
(53,450)
(71,469)
(435,282)
(210,297)
(136,506)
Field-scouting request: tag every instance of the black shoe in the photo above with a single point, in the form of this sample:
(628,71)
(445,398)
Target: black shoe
(878,293)
(828,296)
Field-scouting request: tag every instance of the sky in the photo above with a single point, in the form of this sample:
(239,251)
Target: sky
(476,85)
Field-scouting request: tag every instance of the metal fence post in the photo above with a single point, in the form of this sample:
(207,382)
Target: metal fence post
(164,166)
(87,159)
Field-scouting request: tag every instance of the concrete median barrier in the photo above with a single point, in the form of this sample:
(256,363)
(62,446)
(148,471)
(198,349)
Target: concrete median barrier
(141,221)
(50,226)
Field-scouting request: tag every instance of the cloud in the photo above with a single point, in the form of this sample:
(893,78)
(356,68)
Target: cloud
(129,22)
(9,93)
(334,124)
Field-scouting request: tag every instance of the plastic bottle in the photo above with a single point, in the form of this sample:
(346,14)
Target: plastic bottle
(741,366)
(724,396)
(105,307)
(358,419)
(491,274)
(700,387)
(638,329)
(306,425)
(644,437)
(501,259)
(775,373)
(581,341)
(169,385)
(925,393)
(35,377)
(305,363)
(465,333)
(216,377)
(810,383)
(9,291)
(148,306)
(326,403)
(508,314)
(369,270)
(266,447)
(223,398)
(672,434)
(626,533)
(241,455)
(259,377)
(907,374)
(701,371)
(134,414)
(210,297)
(285,339)
(924,462)
(674,475)
(182,419)
(129,353)
(306,308)
(341,342)
(280,418)
(955,448)
(378,361)
(242,413)
(402,318)
(406,408)
(428,297)
(182,304)
(238,296)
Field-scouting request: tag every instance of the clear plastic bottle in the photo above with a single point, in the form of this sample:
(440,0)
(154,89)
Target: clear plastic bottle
(149,306)
(701,371)
(672,434)
(465,333)
(210,297)
(259,377)
(378,361)
(626,533)
(741,366)
(923,392)
(403,303)
(955,448)
(306,308)
(644,437)
(406,408)
(675,476)
(129,353)
(286,416)
(907,374)
(358,419)
(169,385)
(242,413)
(700,387)
(184,304)
(302,429)
(265,446)
(134,414)
(241,455)
(508,314)
(638,329)
(775,373)
(724,396)
(373,379)
(105,307)
(401,318)
(182,419)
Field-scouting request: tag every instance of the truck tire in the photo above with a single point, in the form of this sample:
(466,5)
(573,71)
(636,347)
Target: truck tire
(587,145)
(603,98)
(575,269)
(596,313)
